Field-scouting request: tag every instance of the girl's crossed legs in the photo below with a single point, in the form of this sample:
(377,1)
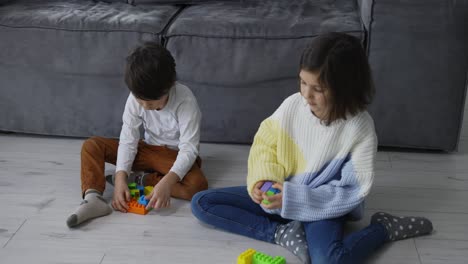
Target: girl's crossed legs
(233,210)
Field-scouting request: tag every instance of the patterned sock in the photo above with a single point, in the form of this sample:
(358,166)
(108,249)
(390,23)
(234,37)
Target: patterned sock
(402,227)
(292,237)
(91,207)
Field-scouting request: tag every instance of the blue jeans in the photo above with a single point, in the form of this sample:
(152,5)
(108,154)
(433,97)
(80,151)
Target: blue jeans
(233,210)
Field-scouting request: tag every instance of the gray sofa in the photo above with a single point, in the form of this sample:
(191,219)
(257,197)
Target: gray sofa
(62,61)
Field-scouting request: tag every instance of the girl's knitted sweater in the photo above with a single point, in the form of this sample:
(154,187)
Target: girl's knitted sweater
(326,171)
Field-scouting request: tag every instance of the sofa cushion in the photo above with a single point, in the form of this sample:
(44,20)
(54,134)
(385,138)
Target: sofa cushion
(253,41)
(62,63)
(177,2)
(86,15)
(77,36)
(242,59)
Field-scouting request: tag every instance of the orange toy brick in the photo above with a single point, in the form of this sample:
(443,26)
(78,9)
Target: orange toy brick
(136,208)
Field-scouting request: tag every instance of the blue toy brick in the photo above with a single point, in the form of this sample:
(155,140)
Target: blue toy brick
(143,201)
(141,189)
(274,190)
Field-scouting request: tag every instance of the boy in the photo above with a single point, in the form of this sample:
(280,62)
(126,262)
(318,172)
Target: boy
(171,118)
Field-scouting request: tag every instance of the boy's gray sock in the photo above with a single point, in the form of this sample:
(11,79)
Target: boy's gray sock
(292,237)
(136,177)
(91,207)
(402,227)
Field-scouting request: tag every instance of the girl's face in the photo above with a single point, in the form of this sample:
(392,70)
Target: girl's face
(314,94)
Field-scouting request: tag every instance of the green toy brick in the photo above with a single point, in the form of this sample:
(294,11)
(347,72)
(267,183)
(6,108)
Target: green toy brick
(135,193)
(132,186)
(268,193)
(261,258)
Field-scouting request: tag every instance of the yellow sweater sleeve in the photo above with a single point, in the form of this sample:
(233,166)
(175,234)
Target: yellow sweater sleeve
(263,160)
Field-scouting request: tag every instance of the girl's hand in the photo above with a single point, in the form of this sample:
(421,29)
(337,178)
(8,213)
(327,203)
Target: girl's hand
(276,201)
(257,193)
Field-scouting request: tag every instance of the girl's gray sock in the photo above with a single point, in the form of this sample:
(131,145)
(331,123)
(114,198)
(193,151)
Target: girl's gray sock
(402,227)
(292,237)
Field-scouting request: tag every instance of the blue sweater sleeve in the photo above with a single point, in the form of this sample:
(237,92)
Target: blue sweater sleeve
(300,202)
(335,194)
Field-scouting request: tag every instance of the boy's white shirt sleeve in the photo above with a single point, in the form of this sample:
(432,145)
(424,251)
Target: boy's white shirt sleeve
(129,136)
(189,118)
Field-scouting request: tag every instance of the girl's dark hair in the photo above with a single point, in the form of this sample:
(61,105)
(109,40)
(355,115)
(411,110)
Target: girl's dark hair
(150,71)
(343,69)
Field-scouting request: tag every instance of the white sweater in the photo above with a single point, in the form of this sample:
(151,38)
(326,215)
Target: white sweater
(177,126)
(327,171)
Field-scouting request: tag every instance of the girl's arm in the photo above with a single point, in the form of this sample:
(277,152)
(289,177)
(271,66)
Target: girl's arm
(263,164)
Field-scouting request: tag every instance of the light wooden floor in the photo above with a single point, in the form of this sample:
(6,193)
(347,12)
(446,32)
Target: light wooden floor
(40,186)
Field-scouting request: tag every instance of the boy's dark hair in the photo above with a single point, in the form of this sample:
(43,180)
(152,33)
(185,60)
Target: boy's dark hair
(150,72)
(343,69)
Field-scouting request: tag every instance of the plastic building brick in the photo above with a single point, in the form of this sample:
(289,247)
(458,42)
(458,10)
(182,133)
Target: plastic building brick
(135,193)
(267,187)
(141,189)
(250,256)
(246,257)
(132,186)
(261,258)
(148,190)
(136,208)
(143,201)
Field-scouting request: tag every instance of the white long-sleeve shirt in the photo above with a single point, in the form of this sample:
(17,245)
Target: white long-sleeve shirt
(177,126)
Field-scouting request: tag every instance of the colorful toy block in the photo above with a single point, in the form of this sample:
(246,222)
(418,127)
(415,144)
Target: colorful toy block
(135,193)
(148,190)
(132,186)
(141,189)
(246,257)
(136,208)
(261,258)
(143,201)
(250,256)
(266,187)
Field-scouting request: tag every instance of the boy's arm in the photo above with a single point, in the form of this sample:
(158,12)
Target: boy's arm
(129,137)
(189,118)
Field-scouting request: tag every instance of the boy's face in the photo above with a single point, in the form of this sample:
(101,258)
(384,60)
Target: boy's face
(315,95)
(154,104)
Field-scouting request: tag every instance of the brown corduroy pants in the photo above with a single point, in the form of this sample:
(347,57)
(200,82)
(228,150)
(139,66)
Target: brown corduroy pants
(98,150)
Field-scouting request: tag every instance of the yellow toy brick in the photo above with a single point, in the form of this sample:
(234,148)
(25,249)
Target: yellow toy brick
(246,257)
(148,189)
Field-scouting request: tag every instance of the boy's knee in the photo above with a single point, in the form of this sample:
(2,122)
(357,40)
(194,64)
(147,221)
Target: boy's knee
(189,192)
(90,143)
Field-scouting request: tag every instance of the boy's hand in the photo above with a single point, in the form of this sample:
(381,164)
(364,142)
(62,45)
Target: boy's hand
(160,197)
(121,192)
(276,201)
(257,193)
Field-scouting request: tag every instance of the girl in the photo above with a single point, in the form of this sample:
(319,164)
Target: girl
(319,149)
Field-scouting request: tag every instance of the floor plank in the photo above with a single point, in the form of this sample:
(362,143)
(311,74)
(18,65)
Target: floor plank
(40,186)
